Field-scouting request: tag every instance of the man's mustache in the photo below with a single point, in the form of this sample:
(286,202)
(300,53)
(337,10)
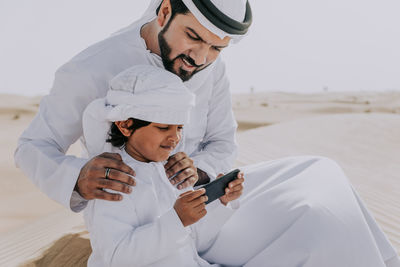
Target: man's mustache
(190,60)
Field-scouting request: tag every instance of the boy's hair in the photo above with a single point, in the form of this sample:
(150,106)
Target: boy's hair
(117,139)
(177,7)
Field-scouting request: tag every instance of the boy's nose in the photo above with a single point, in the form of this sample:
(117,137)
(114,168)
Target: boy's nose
(174,137)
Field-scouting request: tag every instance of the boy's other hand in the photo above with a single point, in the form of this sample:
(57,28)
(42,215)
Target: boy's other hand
(92,177)
(234,189)
(190,206)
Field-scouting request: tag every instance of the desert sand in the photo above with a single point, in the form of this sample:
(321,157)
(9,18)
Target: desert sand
(360,130)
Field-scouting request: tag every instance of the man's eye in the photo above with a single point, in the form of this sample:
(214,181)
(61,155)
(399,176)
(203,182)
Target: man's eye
(192,37)
(163,128)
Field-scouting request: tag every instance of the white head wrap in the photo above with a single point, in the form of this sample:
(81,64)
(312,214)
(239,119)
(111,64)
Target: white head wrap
(142,92)
(234,9)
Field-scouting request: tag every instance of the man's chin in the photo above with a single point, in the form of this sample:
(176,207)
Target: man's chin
(185,75)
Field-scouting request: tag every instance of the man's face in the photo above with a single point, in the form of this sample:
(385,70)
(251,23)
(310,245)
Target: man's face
(187,47)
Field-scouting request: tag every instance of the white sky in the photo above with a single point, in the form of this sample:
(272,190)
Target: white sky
(297,46)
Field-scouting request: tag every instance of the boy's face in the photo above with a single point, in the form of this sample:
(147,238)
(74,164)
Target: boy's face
(154,142)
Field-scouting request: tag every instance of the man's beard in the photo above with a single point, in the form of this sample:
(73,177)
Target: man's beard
(165,51)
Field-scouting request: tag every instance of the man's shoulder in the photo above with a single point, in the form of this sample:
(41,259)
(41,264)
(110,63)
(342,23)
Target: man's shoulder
(118,49)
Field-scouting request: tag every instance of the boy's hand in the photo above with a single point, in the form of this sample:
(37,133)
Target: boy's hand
(234,189)
(190,206)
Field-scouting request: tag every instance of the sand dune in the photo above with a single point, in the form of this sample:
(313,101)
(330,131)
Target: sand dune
(269,108)
(358,130)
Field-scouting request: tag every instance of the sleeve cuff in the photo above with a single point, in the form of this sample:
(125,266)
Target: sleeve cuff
(176,230)
(221,211)
(234,205)
(77,202)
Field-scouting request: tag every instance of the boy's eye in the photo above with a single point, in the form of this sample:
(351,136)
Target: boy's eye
(216,48)
(163,128)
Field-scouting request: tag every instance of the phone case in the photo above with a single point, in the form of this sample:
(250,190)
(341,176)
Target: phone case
(216,188)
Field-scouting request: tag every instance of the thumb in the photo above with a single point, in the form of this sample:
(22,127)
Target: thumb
(186,193)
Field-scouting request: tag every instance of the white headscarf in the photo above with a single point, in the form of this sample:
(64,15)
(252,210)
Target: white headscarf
(142,92)
(235,9)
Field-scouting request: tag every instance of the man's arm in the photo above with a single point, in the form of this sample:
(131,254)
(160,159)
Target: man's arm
(41,149)
(58,124)
(218,148)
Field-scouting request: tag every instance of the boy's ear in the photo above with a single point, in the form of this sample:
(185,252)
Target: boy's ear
(123,127)
(164,14)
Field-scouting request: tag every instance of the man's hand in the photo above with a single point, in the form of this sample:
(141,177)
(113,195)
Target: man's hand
(234,189)
(190,206)
(181,163)
(92,180)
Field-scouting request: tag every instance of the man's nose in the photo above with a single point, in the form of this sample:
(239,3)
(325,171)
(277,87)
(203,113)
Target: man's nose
(199,54)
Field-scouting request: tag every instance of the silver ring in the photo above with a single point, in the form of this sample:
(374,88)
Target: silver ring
(107,173)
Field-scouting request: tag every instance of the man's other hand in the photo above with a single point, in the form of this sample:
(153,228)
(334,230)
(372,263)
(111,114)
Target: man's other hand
(183,165)
(92,178)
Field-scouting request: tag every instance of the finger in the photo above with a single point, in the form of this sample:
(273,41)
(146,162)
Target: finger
(220,175)
(114,164)
(200,208)
(235,182)
(230,193)
(121,176)
(198,201)
(183,175)
(100,194)
(234,195)
(109,155)
(189,182)
(194,194)
(180,166)
(174,159)
(186,193)
(203,213)
(238,187)
(114,185)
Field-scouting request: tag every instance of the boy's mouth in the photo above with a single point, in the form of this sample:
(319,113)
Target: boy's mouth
(168,147)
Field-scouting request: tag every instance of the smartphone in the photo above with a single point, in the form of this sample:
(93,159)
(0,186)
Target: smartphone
(216,188)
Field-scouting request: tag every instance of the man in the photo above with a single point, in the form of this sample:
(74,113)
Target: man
(288,213)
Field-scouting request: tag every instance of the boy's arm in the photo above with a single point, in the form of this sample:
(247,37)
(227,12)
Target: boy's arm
(209,226)
(116,233)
